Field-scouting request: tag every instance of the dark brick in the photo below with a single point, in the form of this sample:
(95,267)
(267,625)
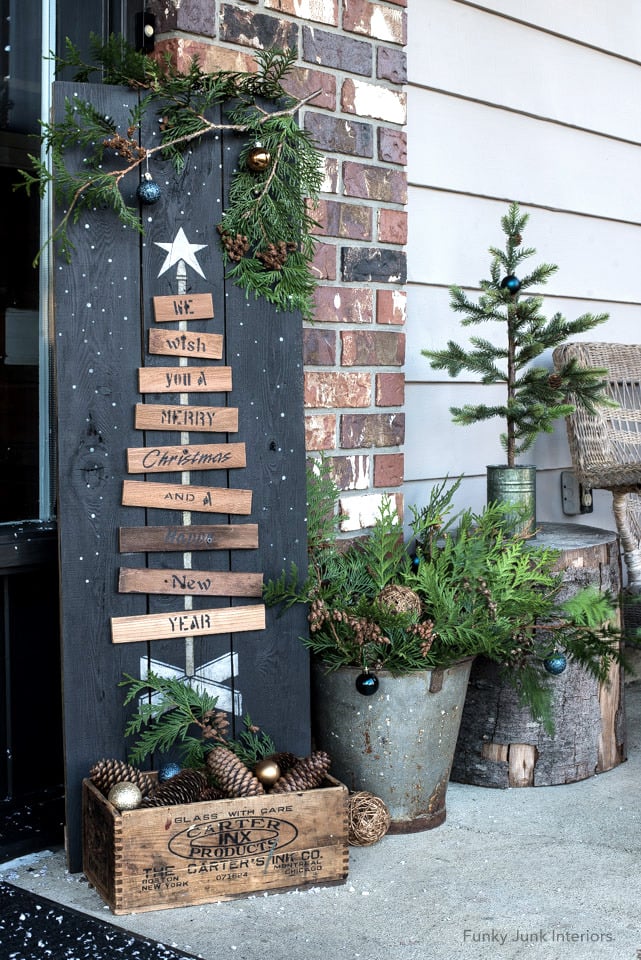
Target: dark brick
(374,183)
(340,136)
(339,53)
(372,430)
(372,264)
(351,221)
(372,348)
(319,347)
(392,145)
(256,29)
(351,473)
(391,64)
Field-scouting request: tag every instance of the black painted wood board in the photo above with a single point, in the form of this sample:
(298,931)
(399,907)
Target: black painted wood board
(103,311)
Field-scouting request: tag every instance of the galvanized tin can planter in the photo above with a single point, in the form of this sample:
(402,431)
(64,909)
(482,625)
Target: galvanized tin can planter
(515,485)
(398,743)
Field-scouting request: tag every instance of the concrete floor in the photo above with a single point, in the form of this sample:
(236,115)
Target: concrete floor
(548,873)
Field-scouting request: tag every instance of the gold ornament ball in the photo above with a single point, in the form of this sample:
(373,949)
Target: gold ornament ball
(267,771)
(125,795)
(258,158)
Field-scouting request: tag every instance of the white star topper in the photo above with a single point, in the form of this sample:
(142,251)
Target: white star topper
(180,249)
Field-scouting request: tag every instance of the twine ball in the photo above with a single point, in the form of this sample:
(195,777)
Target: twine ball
(368,819)
(401,599)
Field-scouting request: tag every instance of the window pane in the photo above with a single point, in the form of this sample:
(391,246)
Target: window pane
(19,280)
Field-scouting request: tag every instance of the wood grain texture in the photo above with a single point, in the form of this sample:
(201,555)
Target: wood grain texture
(206,456)
(187,623)
(178,343)
(193,537)
(155,416)
(193,497)
(199,583)
(194,306)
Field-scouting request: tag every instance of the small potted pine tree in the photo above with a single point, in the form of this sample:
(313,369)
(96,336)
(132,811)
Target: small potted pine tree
(535,396)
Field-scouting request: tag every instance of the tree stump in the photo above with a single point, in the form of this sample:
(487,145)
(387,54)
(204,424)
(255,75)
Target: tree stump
(499,745)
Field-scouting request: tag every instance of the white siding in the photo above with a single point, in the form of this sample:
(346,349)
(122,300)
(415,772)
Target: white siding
(535,101)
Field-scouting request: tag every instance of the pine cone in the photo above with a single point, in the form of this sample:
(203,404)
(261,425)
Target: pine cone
(107,773)
(232,775)
(184,787)
(274,256)
(284,760)
(306,774)
(212,793)
(555,381)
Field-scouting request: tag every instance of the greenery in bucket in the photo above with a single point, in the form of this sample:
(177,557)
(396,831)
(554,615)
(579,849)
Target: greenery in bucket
(462,585)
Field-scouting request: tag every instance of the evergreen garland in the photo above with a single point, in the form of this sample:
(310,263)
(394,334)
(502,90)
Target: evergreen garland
(265,231)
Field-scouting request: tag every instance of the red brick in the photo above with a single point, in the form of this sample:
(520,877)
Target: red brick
(374,183)
(350,221)
(374,20)
(390,389)
(211,58)
(392,146)
(319,347)
(320,431)
(300,83)
(344,304)
(323,266)
(391,306)
(372,430)
(392,226)
(368,348)
(330,390)
(389,469)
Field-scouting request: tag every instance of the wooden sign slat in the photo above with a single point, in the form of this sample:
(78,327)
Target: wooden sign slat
(153,416)
(178,496)
(223,537)
(206,456)
(190,583)
(187,623)
(184,379)
(177,343)
(194,306)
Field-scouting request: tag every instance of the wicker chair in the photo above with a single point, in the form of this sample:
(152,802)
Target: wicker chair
(606,449)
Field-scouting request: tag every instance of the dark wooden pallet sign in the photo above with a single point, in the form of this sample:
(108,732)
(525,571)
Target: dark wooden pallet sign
(177,343)
(206,456)
(187,623)
(154,539)
(190,583)
(195,306)
(184,379)
(154,416)
(178,496)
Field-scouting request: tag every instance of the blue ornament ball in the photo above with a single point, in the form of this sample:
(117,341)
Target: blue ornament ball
(511,283)
(148,191)
(367,684)
(168,771)
(555,664)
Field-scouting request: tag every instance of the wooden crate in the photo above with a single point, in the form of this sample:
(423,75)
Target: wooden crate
(160,857)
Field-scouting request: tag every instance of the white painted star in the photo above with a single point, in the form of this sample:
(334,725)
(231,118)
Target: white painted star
(181,249)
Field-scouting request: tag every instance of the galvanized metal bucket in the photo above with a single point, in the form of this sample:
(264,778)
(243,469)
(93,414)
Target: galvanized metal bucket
(398,743)
(515,485)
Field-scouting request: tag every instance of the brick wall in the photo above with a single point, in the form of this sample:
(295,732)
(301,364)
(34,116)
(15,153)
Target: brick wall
(352,53)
